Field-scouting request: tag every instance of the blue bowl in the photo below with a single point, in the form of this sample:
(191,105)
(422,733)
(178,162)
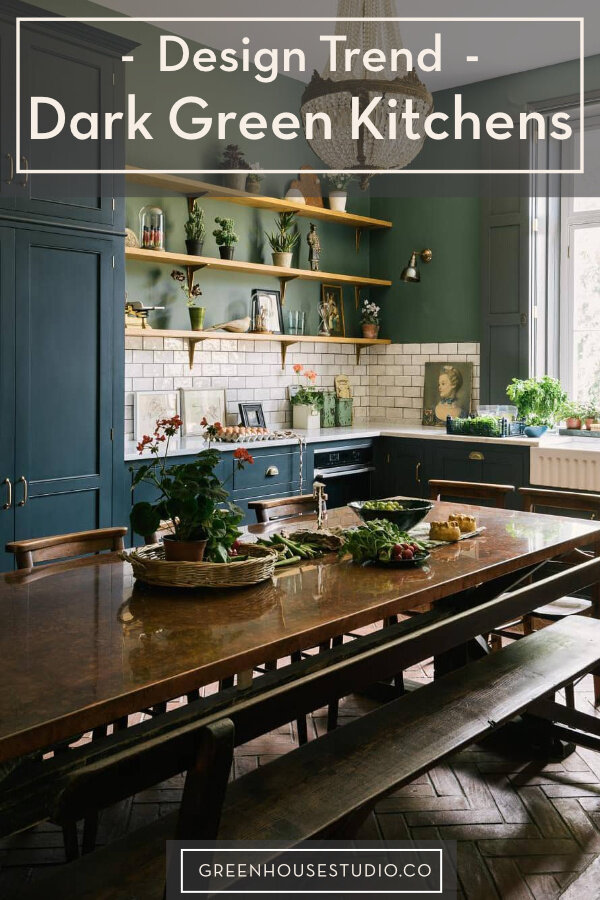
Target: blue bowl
(535,430)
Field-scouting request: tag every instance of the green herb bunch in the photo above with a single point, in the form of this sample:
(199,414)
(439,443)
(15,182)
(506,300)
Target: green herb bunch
(375,540)
(539,401)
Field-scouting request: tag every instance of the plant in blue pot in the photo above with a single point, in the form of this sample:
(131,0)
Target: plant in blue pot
(539,401)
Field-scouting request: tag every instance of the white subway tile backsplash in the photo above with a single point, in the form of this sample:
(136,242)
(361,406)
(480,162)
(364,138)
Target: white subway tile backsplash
(388,383)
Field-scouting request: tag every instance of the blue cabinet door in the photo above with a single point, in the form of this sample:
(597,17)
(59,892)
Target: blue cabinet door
(81,80)
(7,392)
(400,468)
(7,116)
(64,382)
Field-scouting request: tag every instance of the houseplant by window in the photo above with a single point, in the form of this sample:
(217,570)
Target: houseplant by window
(338,191)
(539,402)
(190,497)
(192,292)
(195,231)
(233,158)
(306,402)
(284,240)
(225,237)
(574,414)
(369,318)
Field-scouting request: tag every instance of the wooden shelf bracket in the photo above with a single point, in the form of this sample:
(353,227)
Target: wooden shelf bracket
(192,348)
(357,237)
(190,272)
(283,280)
(284,347)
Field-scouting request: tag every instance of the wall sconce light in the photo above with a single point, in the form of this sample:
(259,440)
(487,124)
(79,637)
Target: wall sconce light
(411,272)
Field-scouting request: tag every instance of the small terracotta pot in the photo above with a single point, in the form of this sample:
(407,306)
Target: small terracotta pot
(370,330)
(573,422)
(183,551)
(588,421)
(226,252)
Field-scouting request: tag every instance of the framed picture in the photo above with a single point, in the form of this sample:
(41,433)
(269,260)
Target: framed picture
(252,415)
(148,406)
(197,405)
(447,391)
(267,317)
(331,311)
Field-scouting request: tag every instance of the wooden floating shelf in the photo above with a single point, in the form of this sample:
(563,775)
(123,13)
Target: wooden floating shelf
(193,263)
(193,189)
(285,340)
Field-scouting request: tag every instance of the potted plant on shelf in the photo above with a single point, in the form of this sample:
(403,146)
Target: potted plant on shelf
(369,318)
(284,240)
(190,497)
(590,415)
(254,179)
(573,414)
(195,231)
(192,292)
(226,237)
(338,191)
(233,158)
(539,402)
(306,402)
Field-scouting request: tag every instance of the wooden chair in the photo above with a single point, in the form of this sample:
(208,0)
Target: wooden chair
(66,546)
(470,490)
(537,499)
(283,508)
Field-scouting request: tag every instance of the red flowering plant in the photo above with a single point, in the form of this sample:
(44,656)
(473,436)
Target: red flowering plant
(190,495)
(306,394)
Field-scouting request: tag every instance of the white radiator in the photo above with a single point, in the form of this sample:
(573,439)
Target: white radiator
(577,468)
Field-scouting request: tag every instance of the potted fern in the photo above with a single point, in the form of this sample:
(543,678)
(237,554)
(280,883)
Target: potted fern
(225,237)
(195,231)
(284,240)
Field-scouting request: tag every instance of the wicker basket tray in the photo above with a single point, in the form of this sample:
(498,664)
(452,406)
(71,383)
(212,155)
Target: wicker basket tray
(149,565)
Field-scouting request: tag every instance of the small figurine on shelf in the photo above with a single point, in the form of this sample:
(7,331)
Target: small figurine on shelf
(314,248)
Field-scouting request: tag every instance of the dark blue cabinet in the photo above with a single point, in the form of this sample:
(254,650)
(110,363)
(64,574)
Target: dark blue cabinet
(60,341)
(7,116)
(7,392)
(401,467)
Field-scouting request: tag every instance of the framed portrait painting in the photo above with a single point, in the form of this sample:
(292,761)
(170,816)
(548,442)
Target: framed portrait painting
(206,404)
(447,391)
(148,406)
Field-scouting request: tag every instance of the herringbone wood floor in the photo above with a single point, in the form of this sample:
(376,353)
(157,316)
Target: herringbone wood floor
(524,828)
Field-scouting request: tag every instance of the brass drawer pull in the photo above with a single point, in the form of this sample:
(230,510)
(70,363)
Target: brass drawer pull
(25,165)
(23,481)
(418,473)
(272,471)
(475,454)
(8,503)
(11,176)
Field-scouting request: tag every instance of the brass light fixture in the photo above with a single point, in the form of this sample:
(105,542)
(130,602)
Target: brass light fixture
(411,272)
(366,24)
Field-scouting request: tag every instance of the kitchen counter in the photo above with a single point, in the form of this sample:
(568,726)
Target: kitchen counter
(573,446)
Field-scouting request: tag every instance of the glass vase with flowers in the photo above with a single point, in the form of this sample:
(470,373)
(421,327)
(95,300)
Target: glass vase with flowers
(190,496)
(192,292)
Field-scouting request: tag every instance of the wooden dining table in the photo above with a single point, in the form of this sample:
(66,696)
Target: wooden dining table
(83,644)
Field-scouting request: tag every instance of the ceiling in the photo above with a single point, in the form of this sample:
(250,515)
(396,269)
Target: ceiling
(502,48)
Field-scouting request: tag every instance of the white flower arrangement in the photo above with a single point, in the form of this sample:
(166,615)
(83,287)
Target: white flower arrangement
(369,313)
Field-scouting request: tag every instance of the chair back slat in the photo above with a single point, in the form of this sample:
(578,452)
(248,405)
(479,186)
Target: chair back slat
(283,507)
(440,488)
(573,501)
(65,546)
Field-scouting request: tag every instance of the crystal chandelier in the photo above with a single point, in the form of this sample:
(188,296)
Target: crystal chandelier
(332,92)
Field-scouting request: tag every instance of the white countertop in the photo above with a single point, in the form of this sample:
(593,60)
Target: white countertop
(562,444)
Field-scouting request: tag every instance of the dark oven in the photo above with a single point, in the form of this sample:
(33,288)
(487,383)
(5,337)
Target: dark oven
(346,472)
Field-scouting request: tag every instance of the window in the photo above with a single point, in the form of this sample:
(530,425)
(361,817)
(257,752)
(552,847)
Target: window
(579,297)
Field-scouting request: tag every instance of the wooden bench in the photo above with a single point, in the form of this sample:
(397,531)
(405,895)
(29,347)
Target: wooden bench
(330,782)
(320,787)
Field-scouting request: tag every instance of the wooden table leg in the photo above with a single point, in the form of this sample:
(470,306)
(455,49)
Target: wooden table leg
(596,614)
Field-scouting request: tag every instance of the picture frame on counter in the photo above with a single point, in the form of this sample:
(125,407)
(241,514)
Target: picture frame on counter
(447,391)
(198,404)
(148,406)
(265,311)
(252,415)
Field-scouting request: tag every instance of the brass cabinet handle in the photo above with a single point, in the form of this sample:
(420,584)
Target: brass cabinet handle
(11,160)
(23,481)
(272,471)
(8,484)
(475,454)
(418,473)
(25,164)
